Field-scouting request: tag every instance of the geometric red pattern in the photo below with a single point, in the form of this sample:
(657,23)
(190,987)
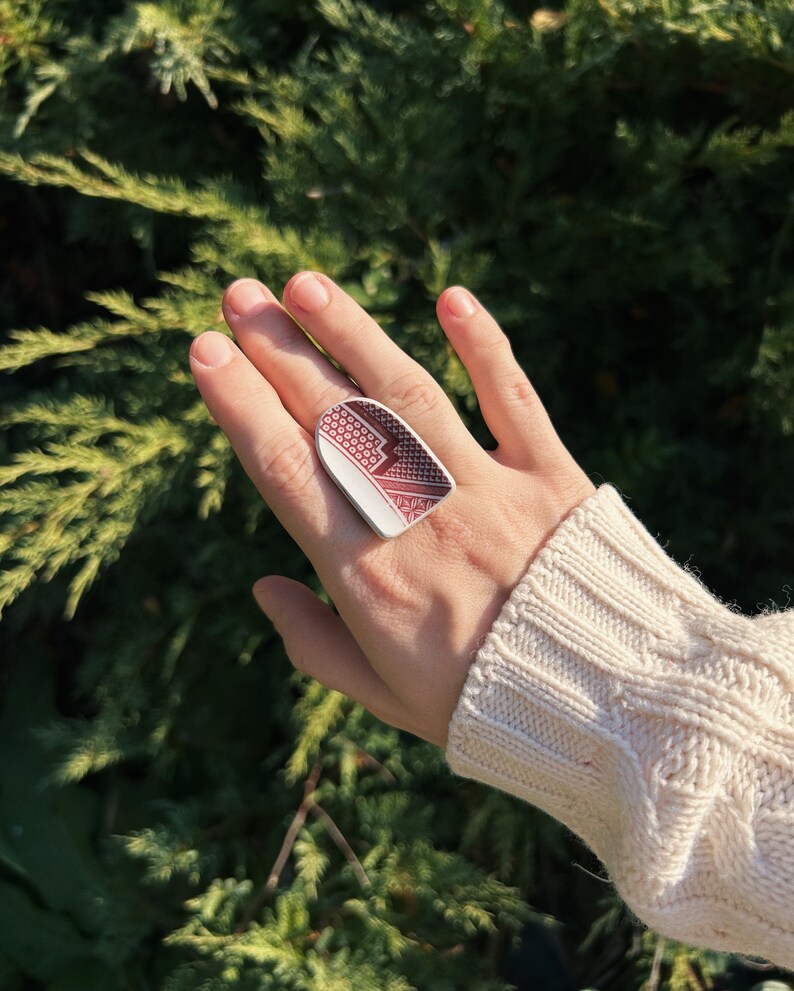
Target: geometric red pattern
(381,447)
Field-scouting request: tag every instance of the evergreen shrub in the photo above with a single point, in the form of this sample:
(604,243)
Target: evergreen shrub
(178,810)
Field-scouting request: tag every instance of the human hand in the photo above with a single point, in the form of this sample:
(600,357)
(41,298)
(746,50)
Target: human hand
(413,611)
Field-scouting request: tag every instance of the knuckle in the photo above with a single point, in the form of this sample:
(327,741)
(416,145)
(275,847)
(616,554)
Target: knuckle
(359,328)
(287,340)
(452,530)
(459,537)
(247,400)
(413,394)
(326,396)
(286,465)
(381,583)
(516,390)
(494,345)
(509,380)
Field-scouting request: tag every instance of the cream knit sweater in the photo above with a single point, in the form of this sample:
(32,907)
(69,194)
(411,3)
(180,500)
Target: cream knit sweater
(617,694)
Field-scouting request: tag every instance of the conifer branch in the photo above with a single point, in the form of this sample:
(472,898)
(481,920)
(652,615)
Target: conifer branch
(347,138)
(286,848)
(306,806)
(294,828)
(338,837)
(370,761)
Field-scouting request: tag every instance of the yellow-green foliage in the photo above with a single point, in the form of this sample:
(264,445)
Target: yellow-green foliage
(178,810)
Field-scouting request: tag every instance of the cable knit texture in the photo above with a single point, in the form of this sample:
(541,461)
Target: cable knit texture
(617,694)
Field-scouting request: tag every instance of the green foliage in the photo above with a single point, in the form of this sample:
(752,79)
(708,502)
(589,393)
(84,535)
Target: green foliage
(177,809)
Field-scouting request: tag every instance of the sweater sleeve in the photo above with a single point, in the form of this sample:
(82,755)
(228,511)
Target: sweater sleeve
(617,694)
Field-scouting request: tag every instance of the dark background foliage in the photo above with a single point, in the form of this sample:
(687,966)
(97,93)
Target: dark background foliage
(614,181)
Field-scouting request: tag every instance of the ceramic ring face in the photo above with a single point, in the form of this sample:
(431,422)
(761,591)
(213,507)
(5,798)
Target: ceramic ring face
(392,478)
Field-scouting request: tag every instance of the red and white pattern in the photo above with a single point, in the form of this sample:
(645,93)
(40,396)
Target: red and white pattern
(388,453)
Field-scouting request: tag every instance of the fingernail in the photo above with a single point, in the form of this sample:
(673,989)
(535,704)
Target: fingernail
(309,293)
(246,297)
(212,349)
(460,303)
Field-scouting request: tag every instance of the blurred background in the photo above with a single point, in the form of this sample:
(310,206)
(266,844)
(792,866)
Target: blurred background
(615,181)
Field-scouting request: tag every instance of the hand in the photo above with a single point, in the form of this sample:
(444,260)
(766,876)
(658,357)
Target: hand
(412,612)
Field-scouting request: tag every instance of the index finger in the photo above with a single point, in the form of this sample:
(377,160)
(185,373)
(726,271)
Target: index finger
(278,455)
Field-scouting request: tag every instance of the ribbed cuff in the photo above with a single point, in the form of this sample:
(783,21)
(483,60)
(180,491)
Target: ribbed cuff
(617,694)
(540,713)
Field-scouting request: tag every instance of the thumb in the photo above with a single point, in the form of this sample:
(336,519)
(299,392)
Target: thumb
(319,644)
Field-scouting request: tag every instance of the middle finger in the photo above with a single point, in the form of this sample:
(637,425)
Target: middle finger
(381,369)
(306,382)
